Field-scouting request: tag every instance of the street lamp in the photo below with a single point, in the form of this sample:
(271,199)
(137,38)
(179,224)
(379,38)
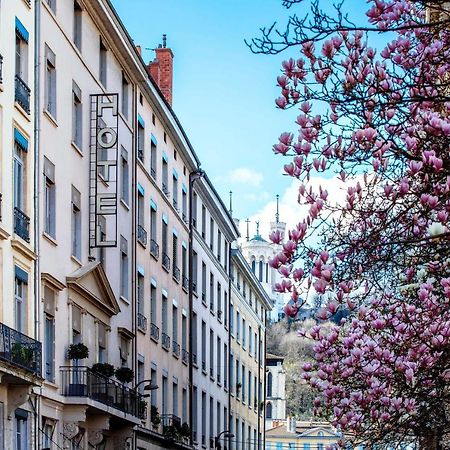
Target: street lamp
(148,387)
(226,433)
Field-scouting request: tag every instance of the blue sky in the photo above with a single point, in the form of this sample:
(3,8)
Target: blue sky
(223,94)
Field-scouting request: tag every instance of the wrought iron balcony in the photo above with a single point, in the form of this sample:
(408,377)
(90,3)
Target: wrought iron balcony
(142,235)
(153,172)
(165,341)
(219,314)
(170,419)
(154,332)
(184,282)
(82,382)
(20,350)
(183,215)
(166,261)
(140,153)
(1,69)
(154,249)
(21,224)
(194,359)
(204,366)
(22,94)
(211,372)
(184,356)
(176,273)
(142,322)
(175,203)
(176,348)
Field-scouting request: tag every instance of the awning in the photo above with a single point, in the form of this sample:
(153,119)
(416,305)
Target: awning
(21,30)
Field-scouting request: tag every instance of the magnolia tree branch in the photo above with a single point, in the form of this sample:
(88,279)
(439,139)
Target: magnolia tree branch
(377,116)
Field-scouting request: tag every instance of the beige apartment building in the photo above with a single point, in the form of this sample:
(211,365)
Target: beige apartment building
(116,301)
(20,351)
(213,233)
(248,311)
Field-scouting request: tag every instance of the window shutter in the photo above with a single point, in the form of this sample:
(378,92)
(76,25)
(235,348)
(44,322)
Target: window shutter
(76,319)
(49,301)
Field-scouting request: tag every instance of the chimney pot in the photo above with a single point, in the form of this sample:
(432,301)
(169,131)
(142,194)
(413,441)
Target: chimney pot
(161,69)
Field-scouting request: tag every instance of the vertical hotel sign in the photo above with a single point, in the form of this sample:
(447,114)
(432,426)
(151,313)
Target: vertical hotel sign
(103,170)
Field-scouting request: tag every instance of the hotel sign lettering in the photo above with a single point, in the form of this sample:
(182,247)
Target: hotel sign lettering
(103,170)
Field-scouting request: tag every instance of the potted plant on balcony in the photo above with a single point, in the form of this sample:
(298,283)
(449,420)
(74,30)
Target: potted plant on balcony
(185,430)
(104,369)
(22,355)
(155,418)
(78,382)
(99,384)
(124,374)
(78,351)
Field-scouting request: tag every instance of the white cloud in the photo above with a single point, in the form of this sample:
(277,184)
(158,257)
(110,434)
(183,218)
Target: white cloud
(246,176)
(290,211)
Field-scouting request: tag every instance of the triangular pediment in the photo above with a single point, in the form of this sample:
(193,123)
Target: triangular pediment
(91,282)
(316,431)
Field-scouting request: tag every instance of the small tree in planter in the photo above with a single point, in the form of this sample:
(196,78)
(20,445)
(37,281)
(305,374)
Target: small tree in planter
(75,352)
(155,418)
(185,430)
(104,369)
(124,374)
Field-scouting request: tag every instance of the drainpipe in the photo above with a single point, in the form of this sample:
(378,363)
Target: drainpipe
(193,176)
(133,236)
(37,171)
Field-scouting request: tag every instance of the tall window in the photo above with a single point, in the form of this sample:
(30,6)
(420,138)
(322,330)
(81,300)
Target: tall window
(77,116)
(219,245)
(102,347)
(194,271)
(225,308)
(125,96)
(269,384)
(211,291)
(203,221)
(203,345)
(21,52)
(244,333)
(211,233)
(204,412)
(194,338)
(103,55)
(231,318)
(219,359)
(211,353)
(183,262)
(238,325)
(76,325)
(164,327)
(77,24)
(49,198)
(183,332)
(153,157)
(50,81)
(165,176)
(175,268)
(141,139)
(225,365)
(153,303)
(194,209)
(203,282)
(184,204)
(140,292)
(20,149)
(175,398)
(125,177)
(175,190)
(49,332)
(219,300)
(21,429)
(175,323)
(153,227)
(211,417)
(124,282)
(76,223)
(164,236)
(20,295)
(164,395)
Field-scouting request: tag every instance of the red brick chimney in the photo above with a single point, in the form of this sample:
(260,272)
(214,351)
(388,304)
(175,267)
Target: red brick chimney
(161,69)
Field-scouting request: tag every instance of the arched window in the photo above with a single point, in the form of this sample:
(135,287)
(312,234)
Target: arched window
(269,410)
(254,266)
(260,271)
(269,384)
